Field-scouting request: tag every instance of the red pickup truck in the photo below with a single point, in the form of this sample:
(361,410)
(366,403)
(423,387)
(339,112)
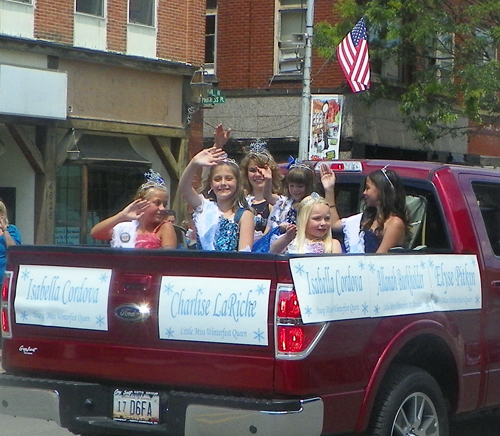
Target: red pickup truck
(149,342)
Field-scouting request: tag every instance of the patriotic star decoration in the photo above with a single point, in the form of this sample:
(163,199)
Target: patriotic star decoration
(24,315)
(104,277)
(260,290)
(376,309)
(308,310)
(371,267)
(361,265)
(169,333)
(430,263)
(25,275)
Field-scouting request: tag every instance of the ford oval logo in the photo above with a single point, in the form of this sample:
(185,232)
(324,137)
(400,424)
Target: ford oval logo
(132,312)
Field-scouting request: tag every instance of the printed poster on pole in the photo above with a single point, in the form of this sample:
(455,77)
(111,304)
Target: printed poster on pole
(325,127)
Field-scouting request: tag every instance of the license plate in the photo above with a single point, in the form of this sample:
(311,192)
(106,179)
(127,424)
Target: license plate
(136,406)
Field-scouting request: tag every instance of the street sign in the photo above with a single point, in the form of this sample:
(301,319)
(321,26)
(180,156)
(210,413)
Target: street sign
(214,97)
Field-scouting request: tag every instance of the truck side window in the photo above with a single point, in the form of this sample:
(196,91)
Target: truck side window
(487,196)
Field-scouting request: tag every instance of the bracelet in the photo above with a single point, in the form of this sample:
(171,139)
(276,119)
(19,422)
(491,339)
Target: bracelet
(333,205)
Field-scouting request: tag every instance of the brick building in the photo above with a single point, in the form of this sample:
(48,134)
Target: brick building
(255,60)
(92,94)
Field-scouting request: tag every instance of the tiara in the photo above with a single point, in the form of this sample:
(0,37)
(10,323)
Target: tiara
(227,160)
(154,180)
(296,163)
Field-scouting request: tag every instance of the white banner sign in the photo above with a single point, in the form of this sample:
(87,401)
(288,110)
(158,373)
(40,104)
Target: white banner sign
(232,311)
(63,297)
(347,287)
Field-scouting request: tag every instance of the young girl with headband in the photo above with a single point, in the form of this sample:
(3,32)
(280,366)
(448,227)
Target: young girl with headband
(384,223)
(313,230)
(221,214)
(141,224)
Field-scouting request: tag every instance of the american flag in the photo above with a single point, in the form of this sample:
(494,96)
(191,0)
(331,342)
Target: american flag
(352,54)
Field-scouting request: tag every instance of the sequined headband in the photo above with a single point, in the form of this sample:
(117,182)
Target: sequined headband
(227,160)
(295,163)
(154,180)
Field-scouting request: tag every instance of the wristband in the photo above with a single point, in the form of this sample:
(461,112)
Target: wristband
(333,206)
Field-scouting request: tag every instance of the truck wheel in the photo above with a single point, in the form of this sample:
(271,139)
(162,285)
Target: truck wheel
(409,403)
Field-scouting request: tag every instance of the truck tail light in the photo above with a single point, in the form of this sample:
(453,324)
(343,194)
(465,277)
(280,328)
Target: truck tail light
(294,339)
(6,296)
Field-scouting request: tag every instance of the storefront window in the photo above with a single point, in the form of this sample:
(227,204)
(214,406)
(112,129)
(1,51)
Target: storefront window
(87,194)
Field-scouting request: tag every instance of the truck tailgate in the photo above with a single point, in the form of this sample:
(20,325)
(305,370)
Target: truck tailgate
(155,329)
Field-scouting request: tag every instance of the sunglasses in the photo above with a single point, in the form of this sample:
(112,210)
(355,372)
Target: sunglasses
(384,172)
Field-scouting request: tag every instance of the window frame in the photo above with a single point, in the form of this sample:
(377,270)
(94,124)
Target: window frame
(103,9)
(153,14)
(285,48)
(210,67)
(441,57)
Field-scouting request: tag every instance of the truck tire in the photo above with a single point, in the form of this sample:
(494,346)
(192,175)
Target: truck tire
(410,402)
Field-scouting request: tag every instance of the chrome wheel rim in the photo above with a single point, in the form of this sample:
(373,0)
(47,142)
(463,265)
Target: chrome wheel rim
(416,416)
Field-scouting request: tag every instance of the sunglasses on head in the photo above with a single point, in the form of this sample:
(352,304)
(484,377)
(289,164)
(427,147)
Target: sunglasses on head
(384,172)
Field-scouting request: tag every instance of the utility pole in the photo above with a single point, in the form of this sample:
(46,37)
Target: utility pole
(306,85)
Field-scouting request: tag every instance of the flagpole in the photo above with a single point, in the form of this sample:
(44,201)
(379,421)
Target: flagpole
(306,85)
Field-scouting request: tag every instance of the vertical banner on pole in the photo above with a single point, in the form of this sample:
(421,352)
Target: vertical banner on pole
(326,118)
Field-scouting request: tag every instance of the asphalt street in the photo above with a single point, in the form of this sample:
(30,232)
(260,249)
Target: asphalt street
(482,425)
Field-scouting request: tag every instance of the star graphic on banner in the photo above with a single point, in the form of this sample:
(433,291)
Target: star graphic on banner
(308,310)
(25,275)
(168,288)
(104,277)
(299,269)
(259,335)
(376,309)
(371,267)
(361,265)
(169,333)
(99,320)
(260,290)
(477,299)
(422,264)
(431,263)
(365,308)
(473,261)
(428,304)
(24,315)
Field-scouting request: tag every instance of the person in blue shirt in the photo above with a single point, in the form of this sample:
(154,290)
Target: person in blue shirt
(9,235)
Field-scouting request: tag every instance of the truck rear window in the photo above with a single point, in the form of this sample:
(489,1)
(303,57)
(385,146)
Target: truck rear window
(487,195)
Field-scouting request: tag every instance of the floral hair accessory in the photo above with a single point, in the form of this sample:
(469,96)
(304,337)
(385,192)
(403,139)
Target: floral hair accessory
(296,163)
(154,180)
(315,196)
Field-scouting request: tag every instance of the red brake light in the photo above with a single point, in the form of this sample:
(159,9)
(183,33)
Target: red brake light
(291,339)
(6,283)
(288,305)
(5,321)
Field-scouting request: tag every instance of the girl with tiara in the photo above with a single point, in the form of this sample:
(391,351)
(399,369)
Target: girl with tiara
(299,183)
(141,224)
(221,214)
(313,230)
(262,182)
(383,224)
